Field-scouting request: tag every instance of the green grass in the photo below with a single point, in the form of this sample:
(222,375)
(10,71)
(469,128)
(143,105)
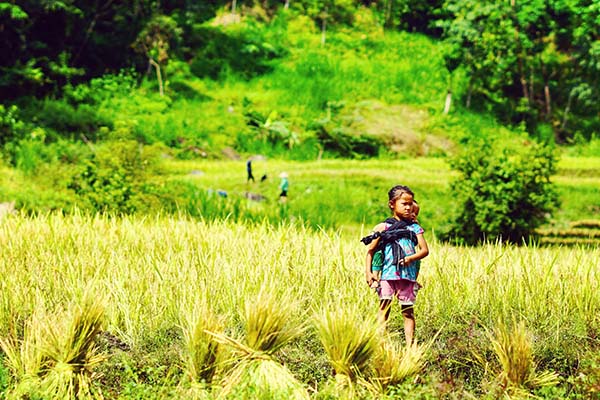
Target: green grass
(352,195)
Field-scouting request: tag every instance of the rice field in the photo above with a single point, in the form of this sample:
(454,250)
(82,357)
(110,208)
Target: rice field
(172,307)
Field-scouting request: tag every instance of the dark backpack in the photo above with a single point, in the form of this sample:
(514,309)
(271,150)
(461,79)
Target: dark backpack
(397,229)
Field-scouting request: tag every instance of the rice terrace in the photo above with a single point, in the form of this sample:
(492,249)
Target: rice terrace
(186,188)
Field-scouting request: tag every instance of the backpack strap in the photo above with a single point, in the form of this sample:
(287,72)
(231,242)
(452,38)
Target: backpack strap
(397,229)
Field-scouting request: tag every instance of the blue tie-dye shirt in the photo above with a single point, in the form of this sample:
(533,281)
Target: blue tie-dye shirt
(411,271)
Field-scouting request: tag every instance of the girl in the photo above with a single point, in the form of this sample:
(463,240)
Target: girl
(400,253)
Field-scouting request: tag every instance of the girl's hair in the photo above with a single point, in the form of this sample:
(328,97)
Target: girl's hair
(398,191)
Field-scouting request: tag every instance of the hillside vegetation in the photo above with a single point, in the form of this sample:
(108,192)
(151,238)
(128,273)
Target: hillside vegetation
(114,143)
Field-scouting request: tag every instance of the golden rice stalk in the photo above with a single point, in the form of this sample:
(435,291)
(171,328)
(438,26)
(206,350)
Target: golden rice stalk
(24,358)
(514,352)
(394,362)
(268,323)
(72,351)
(349,340)
(265,379)
(57,354)
(268,328)
(202,349)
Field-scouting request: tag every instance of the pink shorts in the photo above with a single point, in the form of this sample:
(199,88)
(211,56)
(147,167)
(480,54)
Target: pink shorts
(404,290)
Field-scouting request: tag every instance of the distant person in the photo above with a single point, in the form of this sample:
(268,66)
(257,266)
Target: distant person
(283,185)
(403,243)
(249,171)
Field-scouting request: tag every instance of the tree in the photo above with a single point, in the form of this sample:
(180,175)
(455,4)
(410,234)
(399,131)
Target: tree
(155,40)
(529,62)
(502,191)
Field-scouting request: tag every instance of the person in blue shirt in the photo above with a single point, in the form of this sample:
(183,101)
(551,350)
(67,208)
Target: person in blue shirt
(400,255)
(283,185)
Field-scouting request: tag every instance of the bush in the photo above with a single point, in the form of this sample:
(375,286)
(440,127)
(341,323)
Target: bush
(502,192)
(114,177)
(11,125)
(337,141)
(245,53)
(65,119)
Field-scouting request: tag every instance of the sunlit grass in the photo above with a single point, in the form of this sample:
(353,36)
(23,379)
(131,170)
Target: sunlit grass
(395,363)
(154,274)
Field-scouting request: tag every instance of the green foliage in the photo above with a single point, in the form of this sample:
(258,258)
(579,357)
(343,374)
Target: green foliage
(114,177)
(4,377)
(101,89)
(31,153)
(157,37)
(246,52)
(525,61)
(11,125)
(501,192)
(65,119)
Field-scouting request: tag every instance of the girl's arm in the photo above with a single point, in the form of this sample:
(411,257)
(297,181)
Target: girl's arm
(421,253)
(370,252)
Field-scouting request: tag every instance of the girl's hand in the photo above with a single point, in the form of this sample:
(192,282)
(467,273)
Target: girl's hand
(370,278)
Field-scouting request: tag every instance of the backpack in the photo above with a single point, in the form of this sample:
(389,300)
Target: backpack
(397,229)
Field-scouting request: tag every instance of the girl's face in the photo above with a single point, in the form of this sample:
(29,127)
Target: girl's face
(402,206)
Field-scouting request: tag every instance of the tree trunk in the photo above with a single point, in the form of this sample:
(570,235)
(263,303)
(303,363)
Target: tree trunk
(388,14)
(287,4)
(548,100)
(567,111)
(520,54)
(448,102)
(531,91)
(323,30)
(233,5)
(158,77)
(469,92)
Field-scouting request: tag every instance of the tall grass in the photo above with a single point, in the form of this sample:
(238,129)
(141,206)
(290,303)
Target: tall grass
(151,272)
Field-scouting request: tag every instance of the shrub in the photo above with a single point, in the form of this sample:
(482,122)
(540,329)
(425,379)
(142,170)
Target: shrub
(115,175)
(245,53)
(11,125)
(101,89)
(501,192)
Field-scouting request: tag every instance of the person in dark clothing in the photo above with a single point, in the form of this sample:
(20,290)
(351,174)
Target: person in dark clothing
(249,170)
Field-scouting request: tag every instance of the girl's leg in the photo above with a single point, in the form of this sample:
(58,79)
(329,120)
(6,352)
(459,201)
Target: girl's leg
(408,312)
(384,312)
